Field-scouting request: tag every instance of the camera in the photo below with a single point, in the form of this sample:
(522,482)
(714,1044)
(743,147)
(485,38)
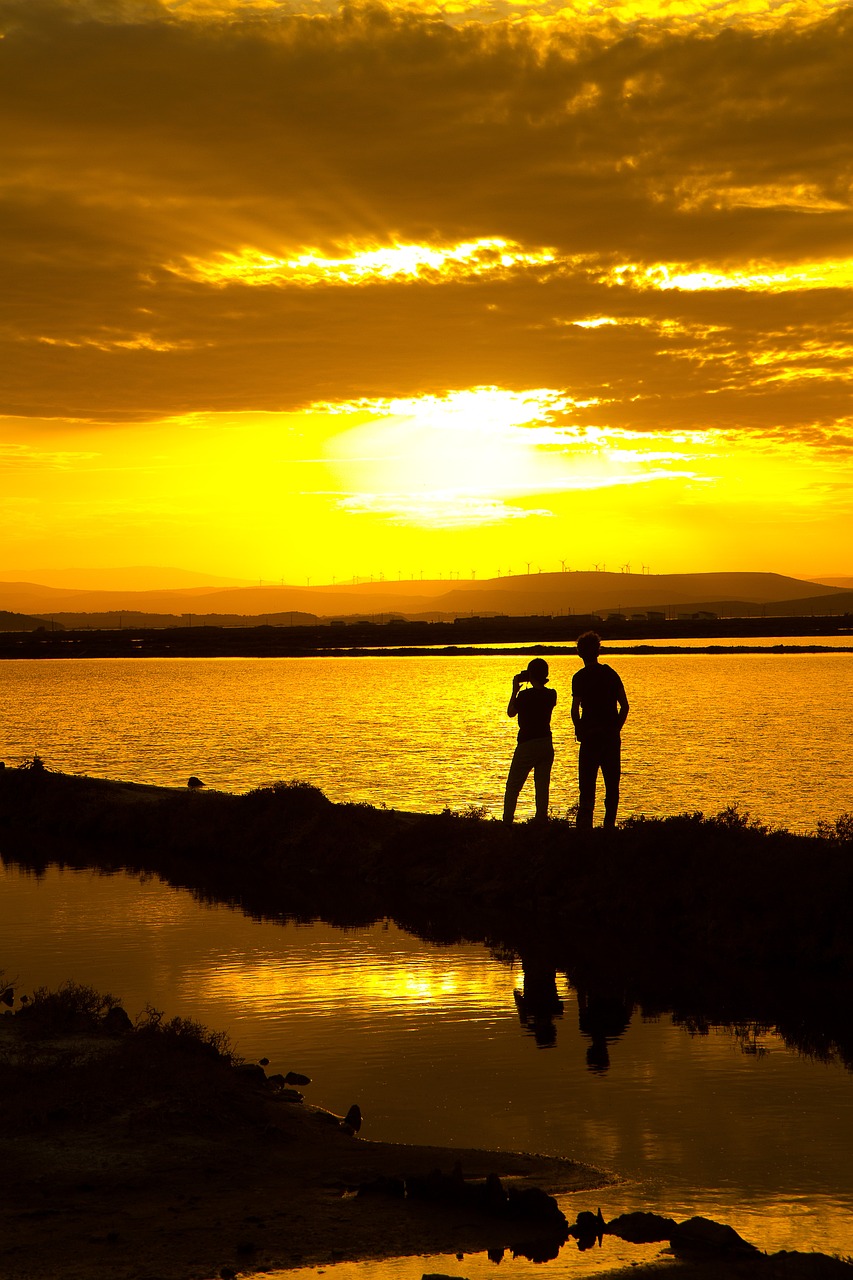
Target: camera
(523,676)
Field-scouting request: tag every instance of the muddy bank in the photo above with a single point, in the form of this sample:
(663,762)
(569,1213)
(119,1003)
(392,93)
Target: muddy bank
(139,1151)
(149,1151)
(715,920)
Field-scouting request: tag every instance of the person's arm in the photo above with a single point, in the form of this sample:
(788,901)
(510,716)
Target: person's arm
(576,715)
(622,704)
(512,705)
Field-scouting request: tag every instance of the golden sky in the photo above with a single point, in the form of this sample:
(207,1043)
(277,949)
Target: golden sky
(303,290)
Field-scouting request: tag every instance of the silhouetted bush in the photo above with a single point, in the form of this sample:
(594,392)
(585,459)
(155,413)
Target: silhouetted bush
(73,1006)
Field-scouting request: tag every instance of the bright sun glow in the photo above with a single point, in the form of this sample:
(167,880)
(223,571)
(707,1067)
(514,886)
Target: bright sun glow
(472,457)
(363,264)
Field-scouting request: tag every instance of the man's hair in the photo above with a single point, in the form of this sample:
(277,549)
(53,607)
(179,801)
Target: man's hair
(589,644)
(538,668)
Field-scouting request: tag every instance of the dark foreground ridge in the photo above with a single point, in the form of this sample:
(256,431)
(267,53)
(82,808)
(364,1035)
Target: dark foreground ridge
(715,920)
(149,1150)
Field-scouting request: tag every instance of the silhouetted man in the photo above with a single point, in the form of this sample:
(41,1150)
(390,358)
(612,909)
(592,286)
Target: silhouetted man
(535,749)
(599,710)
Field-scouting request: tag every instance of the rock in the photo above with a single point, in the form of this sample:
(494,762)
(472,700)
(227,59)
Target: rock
(295,1077)
(588,1229)
(535,1205)
(116,1021)
(641,1228)
(542,1249)
(251,1073)
(702,1235)
(352,1119)
(495,1195)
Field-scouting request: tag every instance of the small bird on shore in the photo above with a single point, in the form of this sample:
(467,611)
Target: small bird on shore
(194,783)
(352,1119)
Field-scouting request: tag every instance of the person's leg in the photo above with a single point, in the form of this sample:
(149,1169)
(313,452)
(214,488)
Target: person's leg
(522,763)
(542,779)
(611,772)
(587,773)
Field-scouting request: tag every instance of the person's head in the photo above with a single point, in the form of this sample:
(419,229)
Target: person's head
(537,671)
(589,646)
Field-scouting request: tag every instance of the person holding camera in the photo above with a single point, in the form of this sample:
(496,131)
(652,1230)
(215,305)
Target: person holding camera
(535,748)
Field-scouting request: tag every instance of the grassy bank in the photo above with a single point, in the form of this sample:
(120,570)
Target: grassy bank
(714,919)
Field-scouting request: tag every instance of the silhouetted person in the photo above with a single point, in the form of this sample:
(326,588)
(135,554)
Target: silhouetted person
(538,1003)
(599,710)
(604,1018)
(535,749)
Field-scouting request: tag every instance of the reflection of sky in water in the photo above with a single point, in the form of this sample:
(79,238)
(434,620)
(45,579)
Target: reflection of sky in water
(705,730)
(429,1041)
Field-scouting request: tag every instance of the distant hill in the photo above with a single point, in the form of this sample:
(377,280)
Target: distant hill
(20,622)
(131,578)
(817,606)
(521,594)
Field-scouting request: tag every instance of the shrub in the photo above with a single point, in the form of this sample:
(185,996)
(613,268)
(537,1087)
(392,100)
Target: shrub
(185,1034)
(73,1006)
(36,765)
(840,831)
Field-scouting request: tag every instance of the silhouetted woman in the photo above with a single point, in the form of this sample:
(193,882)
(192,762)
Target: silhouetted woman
(535,748)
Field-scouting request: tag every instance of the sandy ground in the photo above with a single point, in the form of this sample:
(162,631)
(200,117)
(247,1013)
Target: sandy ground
(128,1161)
(117,1170)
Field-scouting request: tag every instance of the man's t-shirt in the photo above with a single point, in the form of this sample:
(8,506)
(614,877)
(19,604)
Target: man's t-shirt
(598,689)
(534,712)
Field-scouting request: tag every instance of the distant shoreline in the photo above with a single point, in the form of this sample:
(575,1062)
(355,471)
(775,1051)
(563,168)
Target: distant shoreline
(508,637)
(438,651)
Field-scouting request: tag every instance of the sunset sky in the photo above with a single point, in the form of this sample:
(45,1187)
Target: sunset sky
(299,290)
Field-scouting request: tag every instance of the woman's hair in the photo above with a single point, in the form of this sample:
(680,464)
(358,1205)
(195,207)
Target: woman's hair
(538,668)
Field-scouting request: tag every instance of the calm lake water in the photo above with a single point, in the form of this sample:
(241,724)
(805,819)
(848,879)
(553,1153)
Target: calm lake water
(768,731)
(429,1040)
(430,1043)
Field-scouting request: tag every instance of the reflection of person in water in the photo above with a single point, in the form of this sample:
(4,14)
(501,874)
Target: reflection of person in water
(535,749)
(604,1018)
(538,1003)
(599,710)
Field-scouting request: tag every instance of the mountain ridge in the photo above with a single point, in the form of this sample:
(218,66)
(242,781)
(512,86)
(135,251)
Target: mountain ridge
(541,593)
